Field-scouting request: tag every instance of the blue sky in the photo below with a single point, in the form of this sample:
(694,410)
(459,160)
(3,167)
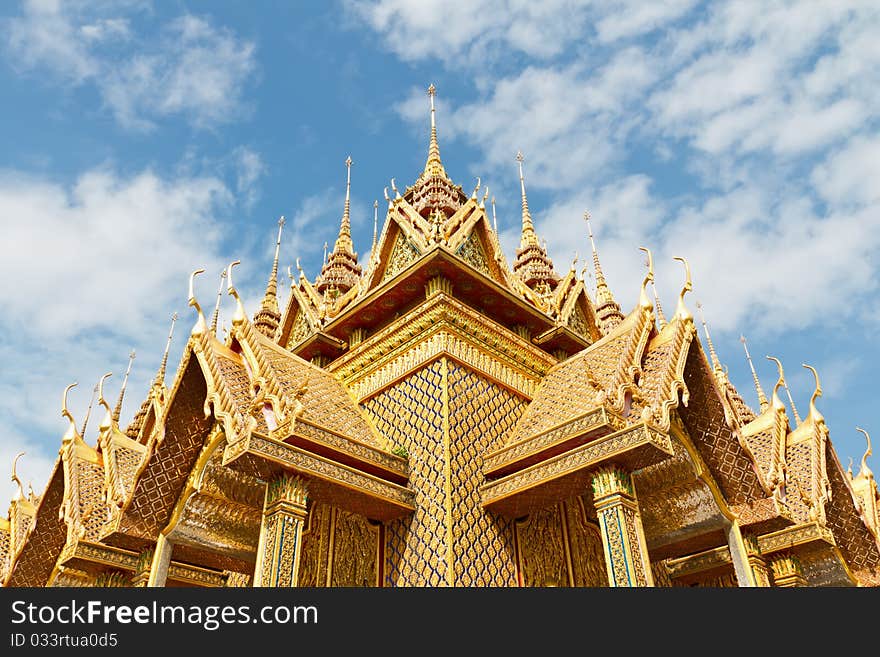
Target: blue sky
(145,139)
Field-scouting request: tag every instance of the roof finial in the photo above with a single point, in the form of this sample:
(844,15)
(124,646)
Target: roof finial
(239,316)
(716,364)
(88,410)
(797,417)
(485,196)
(865,471)
(814,415)
(199,328)
(476,189)
(118,410)
(375,227)
(681,311)
(15,479)
(434,166)
(762,398)
(343,242)
(494,218)
(160,375)
(267,317)
(71,430)
(644,301)
(780,382)
(528,228)
(216,314)
(107,422)
(661,317)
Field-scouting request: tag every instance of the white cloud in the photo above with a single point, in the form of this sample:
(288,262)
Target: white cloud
(92,270)
(249,167)
(190,68)
(849,176)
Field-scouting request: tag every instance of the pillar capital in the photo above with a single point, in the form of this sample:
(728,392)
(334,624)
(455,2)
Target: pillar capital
(284,516)
(787,570)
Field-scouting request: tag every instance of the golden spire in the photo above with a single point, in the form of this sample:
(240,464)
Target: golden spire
(814,415)
(341,270)
(160,375)
(865,471)
(70,434)
(529,238)
(762,398)
(797,417)
(118,410)
(267,317)
(434,166)
(88,410)
(15,479)
(216,314)
(239,315)
(343,242)
(199,328)
(660,316)
(604,297)
(716,364)
(375,226)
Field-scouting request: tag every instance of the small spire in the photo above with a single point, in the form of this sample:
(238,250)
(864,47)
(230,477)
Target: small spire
(216,314)
(606,306)
(762,398)
(494,218)
(107,422)
(780,382)
(644,301)
(716,364)
(529,238)
(343,242)
(797,417)
(660,316)
(434,166)
(118,410)
(160,375)
(375,226)
(865,471)
(267,317)
(485,196)
(88,410)
(325,254)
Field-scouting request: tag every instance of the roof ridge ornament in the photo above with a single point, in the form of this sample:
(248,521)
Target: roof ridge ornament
(107,422)
(815,415)
(216,314)
(644,301)
(681,310)
(239,316)
(85,423)
(780,382)
(865,471)
(118,410)
(15,479)
(528,236)
(160,374)
(762,398)
(200,326)
(71,433)
(266,319)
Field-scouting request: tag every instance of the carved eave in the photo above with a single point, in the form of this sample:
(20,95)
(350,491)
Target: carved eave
(31,565)
(806,481)
(723,452)
(575,310)
(122,457)
(661,384)
(858,544)
(568,474)
(301,317)
(766,438)
(406,289)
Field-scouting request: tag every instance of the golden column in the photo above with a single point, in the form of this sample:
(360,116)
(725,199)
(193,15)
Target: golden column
(141,575)
(623,540)
(284,517)
(757,562)
(787,571)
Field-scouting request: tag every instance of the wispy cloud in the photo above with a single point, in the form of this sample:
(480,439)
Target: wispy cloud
(190,67)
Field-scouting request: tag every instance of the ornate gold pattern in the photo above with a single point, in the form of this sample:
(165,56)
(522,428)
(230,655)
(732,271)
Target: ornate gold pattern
(542,548)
